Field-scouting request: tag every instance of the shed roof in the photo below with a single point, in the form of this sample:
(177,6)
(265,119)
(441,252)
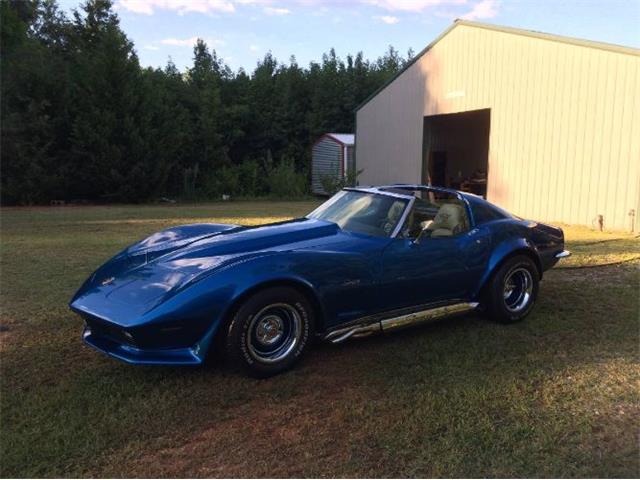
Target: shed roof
(344,138)
(516,31)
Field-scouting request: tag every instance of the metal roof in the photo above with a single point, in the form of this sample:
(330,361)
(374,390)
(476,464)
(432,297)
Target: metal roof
(345,138)
(516,31)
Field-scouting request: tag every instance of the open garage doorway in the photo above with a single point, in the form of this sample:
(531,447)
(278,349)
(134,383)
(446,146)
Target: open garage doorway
(456,150)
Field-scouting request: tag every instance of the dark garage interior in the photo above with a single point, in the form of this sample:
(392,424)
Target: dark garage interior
(456,150)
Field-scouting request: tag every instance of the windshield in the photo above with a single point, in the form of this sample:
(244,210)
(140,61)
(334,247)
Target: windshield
(362,212)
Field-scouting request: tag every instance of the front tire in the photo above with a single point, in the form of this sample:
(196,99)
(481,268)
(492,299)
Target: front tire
(270,331)
(513,290)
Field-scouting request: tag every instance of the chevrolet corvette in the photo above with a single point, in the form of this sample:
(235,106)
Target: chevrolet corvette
(368,260)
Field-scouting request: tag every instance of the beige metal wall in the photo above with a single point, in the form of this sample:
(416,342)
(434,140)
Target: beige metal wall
(565,122)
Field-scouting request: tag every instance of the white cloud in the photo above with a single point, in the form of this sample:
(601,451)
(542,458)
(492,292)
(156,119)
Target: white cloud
(478,8)
(411,5)
(388,19)
(150,47)
(276,11)
(148,7)
(297,3)
(254,48)
(482,9)
(135,6)
(190,42)
(179,42)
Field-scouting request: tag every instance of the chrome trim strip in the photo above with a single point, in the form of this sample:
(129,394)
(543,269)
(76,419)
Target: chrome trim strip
(377,191)
(563,254)
(427,315)
(398,322)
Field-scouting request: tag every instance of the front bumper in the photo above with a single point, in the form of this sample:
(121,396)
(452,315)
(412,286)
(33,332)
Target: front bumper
(138,356)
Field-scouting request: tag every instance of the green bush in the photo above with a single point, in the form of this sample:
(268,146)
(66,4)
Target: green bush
(251,183)
(223,181)
(284,182)
(331,184)
(248,180)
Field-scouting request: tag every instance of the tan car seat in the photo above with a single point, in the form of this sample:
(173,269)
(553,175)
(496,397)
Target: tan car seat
(448,221)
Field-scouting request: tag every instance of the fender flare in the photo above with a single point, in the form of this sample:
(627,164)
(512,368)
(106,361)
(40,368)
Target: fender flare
(217,328)
(505,250)
(296,282)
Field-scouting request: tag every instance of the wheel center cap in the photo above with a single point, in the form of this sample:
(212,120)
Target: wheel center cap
(269,329)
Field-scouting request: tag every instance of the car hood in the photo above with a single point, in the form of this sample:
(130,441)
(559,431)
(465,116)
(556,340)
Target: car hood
(148,272)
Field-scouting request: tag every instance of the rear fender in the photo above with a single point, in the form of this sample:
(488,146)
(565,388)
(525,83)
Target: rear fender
(504,250)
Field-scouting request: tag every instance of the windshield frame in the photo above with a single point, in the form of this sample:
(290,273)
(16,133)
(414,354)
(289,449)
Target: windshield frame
(410,199)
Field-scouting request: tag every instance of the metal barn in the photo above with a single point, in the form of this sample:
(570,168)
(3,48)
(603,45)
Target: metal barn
(547,127)
(332,156)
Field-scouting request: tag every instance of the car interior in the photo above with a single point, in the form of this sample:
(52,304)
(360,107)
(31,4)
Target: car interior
(435,214)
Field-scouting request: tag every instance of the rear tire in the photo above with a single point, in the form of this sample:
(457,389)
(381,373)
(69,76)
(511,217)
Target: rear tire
(270,331)
(512,290)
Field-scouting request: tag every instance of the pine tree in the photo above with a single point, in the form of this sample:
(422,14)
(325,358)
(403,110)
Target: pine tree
(204,79)
(81,119)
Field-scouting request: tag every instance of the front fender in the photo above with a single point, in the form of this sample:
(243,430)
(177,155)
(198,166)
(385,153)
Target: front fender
(503,250)
(209,300)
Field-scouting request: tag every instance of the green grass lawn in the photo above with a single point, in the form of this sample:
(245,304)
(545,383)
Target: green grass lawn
(555,395)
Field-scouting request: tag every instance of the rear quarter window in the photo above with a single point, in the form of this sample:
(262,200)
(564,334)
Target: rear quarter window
(483,213)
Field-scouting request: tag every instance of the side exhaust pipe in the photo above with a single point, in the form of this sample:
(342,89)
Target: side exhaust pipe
(400,322)
(358,331)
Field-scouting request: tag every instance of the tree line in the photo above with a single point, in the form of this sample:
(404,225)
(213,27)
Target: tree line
(82,120)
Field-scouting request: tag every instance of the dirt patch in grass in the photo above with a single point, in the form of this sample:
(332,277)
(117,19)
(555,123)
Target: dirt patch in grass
(617,273)
(6,336)
(313,431)
(303,437)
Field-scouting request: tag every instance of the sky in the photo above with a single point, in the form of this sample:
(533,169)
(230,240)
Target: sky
(242,31)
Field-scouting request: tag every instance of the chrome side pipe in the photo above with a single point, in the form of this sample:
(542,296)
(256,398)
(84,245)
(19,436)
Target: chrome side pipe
(399,322)
(342,334)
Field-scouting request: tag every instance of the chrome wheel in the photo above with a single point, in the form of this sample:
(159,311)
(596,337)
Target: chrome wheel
(518,288)
(274,332)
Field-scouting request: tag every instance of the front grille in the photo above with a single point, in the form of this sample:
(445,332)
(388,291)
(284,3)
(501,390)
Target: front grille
(105,329)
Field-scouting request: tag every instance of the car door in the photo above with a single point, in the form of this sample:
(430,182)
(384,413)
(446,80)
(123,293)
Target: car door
(347,278)
(433,269)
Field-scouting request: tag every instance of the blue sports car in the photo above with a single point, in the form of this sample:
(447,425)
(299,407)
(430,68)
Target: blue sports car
(367,260)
